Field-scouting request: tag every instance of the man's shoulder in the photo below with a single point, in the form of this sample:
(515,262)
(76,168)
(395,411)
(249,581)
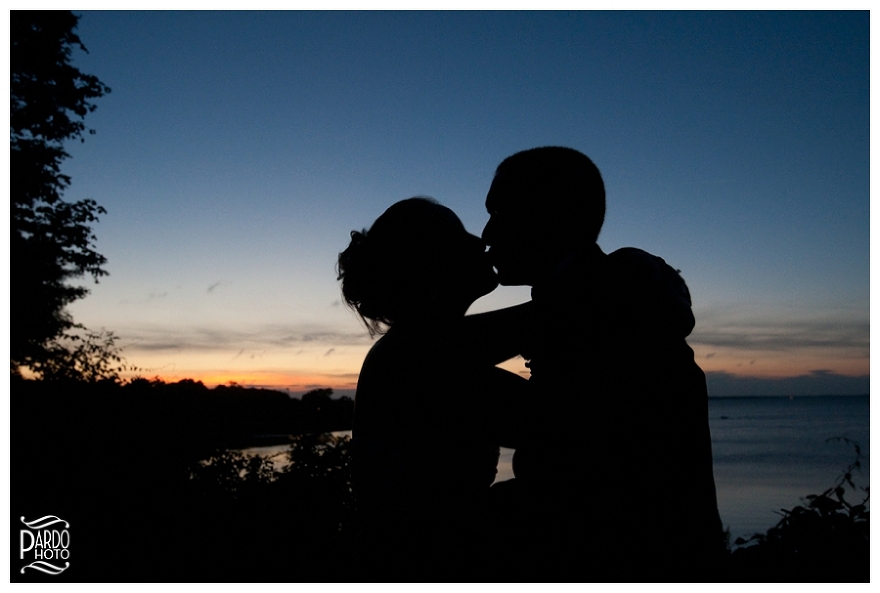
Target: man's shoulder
(630,265)
(648,287)
(628,278)
(637,262)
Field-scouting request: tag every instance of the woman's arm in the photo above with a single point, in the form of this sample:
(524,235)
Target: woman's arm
(496,336)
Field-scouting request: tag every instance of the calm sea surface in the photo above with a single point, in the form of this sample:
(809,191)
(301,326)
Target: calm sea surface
(770,452)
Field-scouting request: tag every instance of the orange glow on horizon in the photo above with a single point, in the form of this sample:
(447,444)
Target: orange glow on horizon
(266,380)
(325,364)
(300,383)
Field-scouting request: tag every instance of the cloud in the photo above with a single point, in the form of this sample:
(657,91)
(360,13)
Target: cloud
(153,296)
(329,352)
(260,338)
(785,335)
(816,382)
(213,286)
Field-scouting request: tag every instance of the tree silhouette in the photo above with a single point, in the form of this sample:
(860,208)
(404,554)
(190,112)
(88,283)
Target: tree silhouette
(51,241)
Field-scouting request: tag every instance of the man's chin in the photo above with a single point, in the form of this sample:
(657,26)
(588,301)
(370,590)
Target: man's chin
(488,287)
(508,278)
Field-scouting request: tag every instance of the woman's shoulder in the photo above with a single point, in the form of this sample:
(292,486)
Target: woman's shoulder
(412,346)
(411,366)
(391,362)
(393,349)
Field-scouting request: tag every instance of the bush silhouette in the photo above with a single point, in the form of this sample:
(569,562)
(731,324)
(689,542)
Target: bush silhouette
(825,539)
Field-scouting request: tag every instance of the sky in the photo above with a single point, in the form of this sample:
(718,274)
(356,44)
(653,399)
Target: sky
(237,150)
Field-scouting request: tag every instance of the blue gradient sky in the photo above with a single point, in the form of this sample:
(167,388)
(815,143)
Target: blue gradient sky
(237,151)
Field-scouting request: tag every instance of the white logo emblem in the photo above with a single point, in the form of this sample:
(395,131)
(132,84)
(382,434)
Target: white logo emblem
(49,546)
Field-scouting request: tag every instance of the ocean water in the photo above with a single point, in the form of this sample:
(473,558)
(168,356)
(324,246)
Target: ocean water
(771,452)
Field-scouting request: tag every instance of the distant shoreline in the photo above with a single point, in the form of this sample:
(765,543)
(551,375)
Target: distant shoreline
(790,396)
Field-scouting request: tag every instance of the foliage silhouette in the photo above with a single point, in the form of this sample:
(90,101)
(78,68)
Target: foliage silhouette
(90,356)
(258,521)
(827,538)
(51,241)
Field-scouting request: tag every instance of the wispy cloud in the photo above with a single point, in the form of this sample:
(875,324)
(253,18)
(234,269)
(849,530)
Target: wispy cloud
(198,338)
(213,286)
(780,335)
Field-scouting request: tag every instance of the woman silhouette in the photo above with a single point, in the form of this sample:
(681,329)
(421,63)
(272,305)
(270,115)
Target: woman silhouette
(431,408)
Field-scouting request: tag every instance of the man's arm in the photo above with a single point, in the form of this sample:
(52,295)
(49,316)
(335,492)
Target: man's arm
(505,398)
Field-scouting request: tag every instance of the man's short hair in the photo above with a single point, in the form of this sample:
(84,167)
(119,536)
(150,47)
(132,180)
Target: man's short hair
(564,182)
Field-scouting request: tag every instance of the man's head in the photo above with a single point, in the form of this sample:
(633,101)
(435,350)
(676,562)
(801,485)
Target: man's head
(543,204)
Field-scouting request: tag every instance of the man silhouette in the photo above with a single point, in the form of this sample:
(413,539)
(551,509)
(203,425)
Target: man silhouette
(614,475)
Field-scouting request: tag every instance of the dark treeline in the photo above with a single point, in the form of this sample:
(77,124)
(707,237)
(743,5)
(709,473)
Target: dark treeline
(227,416)
(149,477)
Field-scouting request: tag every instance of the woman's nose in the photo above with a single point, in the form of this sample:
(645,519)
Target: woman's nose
(488,232)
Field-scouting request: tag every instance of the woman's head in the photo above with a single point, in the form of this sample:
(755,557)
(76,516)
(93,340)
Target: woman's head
(417,260)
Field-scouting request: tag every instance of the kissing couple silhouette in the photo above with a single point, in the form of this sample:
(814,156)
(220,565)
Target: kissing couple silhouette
(613,462)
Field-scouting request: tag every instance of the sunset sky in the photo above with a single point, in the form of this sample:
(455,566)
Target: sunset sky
(237,151)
